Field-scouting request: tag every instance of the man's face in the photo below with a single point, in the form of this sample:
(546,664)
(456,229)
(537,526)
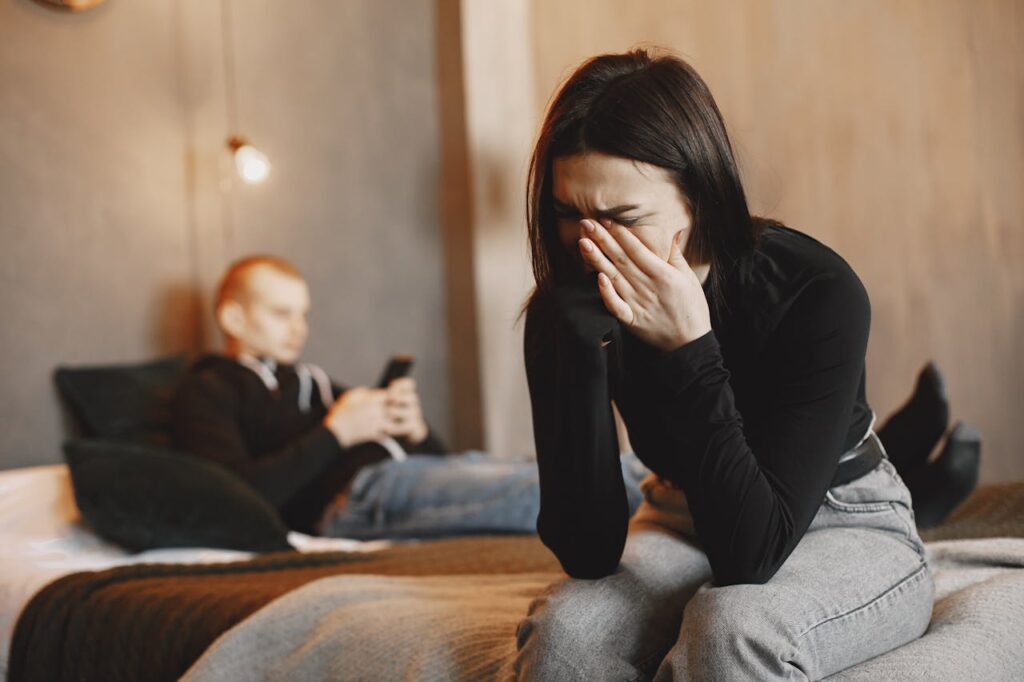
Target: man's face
(271,320)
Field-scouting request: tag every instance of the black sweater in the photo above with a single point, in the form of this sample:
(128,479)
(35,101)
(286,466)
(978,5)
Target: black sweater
(749,420)
(223,411)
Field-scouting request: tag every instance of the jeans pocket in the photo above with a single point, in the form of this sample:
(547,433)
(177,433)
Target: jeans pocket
(879,499)
(875,491)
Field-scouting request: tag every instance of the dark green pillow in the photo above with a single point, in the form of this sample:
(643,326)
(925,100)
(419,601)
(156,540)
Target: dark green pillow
(142,497)
(123,402)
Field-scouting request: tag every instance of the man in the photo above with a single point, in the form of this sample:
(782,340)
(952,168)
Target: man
(335,460)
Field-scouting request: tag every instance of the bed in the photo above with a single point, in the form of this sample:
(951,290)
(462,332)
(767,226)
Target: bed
(43,539)
(73,606)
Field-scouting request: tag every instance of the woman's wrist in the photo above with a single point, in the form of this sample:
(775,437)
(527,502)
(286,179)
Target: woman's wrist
(683,337)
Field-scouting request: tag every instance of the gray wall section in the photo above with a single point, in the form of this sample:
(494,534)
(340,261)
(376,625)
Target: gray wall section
(116,218)
(344,96)
(95,257)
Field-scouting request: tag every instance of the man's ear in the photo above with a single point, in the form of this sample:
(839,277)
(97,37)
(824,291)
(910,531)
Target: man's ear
(231,318)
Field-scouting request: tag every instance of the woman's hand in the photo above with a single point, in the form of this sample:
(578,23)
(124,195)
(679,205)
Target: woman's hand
(660,302)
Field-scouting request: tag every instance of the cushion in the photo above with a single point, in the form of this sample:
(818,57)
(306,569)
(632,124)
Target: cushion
(143,497)
(123,402)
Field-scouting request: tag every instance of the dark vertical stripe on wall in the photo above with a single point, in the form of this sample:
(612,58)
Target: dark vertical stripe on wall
(197,337)
(456,233)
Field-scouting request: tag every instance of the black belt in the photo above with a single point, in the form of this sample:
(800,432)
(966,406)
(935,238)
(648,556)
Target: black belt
(866,457)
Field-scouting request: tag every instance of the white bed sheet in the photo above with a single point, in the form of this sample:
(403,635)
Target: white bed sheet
(42,538)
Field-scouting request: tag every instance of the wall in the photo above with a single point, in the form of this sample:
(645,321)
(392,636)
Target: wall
(500,122)
(891,131)
(118,207)
(96,264)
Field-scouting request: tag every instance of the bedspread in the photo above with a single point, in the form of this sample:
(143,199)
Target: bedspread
(151,622)
(463,628)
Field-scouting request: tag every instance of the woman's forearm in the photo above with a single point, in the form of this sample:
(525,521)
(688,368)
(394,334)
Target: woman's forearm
(754,489)
(584,511)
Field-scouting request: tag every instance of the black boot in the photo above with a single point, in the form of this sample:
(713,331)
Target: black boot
(937,487)
(911,433)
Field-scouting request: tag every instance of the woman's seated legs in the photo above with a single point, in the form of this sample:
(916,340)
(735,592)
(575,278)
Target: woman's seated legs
(619,627)
(844,596)
(857,585)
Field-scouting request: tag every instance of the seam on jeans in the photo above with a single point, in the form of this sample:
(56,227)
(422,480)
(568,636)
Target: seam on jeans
(855,507)
(906,526)
(658,654)
(921,571)
(911,531)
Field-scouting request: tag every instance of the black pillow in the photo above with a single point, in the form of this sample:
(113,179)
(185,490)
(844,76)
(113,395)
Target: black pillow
(123,402)
(142,497)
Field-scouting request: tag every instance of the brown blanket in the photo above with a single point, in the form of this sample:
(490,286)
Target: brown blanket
(151,622)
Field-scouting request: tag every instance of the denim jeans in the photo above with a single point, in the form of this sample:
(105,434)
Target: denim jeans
(428,496)
(857,585)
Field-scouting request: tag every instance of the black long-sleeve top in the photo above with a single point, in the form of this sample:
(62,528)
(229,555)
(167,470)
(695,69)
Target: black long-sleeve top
(223,411)
(749,420)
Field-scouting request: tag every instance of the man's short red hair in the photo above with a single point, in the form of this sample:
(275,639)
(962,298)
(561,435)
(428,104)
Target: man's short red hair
(234,284)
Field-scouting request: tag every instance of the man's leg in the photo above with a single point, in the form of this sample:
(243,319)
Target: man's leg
(431,496)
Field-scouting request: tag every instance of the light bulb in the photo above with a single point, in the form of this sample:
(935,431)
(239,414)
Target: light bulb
(252,164)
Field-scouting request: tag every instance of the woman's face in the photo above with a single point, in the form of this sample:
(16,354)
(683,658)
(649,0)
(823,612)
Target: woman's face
(637,195)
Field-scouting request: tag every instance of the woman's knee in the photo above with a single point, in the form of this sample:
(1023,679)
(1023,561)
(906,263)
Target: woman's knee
(725,631)
(618,627)
(767,632)
(586,630)
(561,630)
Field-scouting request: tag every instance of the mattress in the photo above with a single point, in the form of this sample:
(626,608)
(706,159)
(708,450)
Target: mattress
(43,538)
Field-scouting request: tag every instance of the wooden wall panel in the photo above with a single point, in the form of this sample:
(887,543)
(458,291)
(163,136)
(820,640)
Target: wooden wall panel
(498,78)
(894,132)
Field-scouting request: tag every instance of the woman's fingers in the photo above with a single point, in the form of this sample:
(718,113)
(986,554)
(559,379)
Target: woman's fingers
(641,257)
(616,305)
(611,249)
(597,259)
(600,262)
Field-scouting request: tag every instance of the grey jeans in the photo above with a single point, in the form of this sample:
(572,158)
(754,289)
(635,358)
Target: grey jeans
(857,585)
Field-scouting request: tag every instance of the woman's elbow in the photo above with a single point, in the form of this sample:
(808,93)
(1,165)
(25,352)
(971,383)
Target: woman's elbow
(585,555)
(587,568)
(747,570)
(745,575)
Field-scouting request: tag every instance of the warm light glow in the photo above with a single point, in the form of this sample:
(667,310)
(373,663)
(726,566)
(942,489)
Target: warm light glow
(252,164)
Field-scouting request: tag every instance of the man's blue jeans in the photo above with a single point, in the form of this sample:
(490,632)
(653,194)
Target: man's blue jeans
(428,496)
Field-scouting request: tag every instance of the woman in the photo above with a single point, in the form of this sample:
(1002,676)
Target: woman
(734,349)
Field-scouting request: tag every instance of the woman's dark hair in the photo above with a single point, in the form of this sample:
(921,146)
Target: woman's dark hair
(657,110)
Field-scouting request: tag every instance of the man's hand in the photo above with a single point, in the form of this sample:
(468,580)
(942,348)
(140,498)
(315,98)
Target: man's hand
(404,416)
(358,416)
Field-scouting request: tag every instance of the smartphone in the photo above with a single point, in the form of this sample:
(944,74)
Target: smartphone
(398,366)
